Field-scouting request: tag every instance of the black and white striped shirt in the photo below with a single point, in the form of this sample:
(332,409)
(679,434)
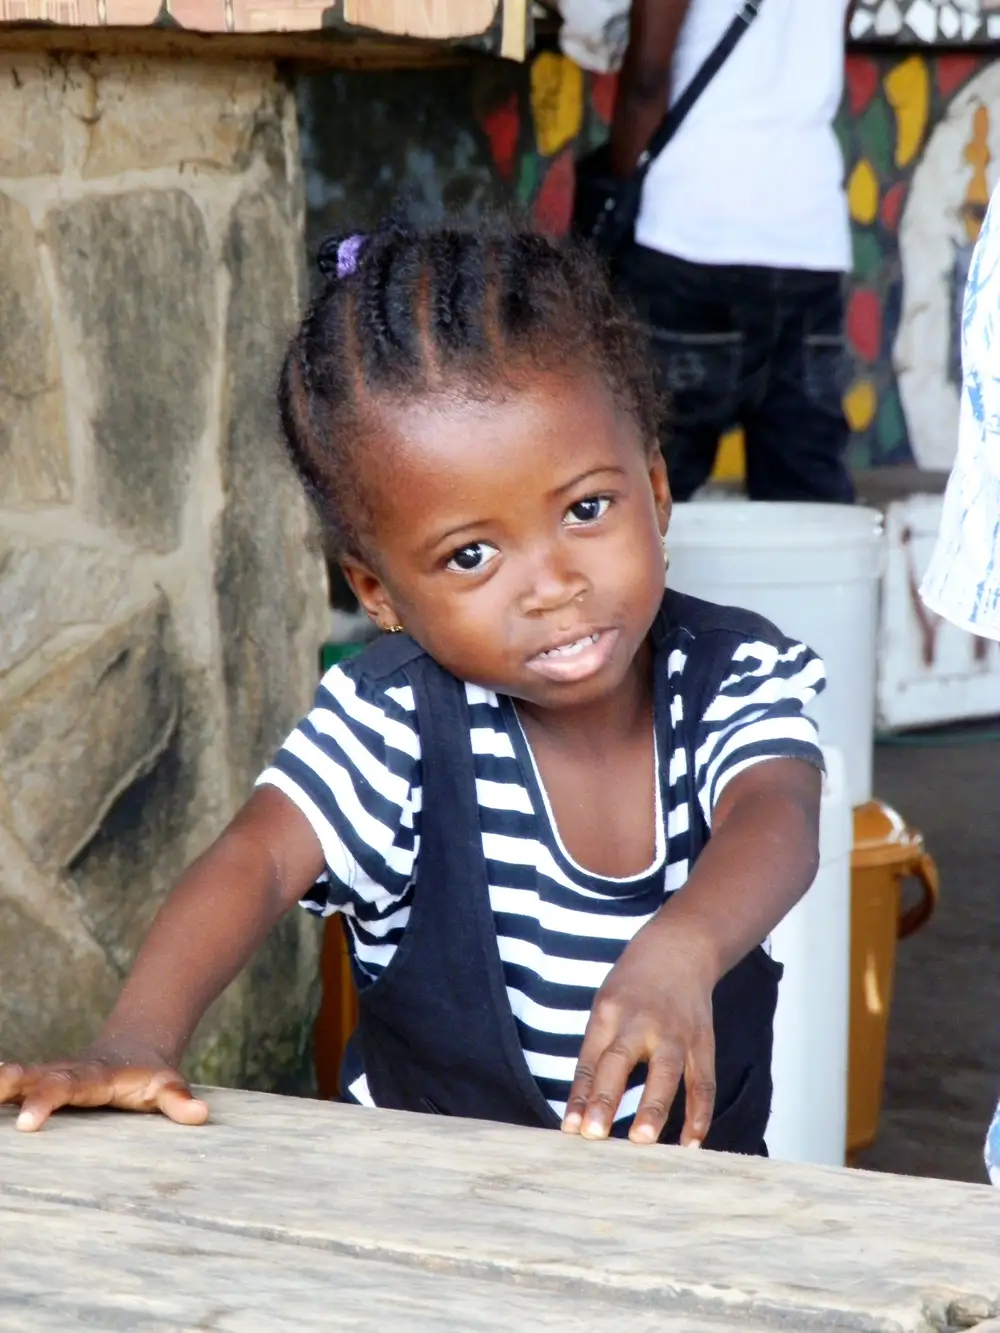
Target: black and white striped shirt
(353,769)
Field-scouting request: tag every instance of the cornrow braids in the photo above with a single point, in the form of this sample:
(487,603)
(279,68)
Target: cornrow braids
(406,312)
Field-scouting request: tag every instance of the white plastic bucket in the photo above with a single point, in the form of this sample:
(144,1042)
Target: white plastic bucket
(814,571)
(811,1027)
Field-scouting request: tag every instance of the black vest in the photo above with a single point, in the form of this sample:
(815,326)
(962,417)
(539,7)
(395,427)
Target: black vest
(436,1029)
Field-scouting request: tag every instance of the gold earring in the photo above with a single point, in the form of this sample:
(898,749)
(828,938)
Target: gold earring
(393,629)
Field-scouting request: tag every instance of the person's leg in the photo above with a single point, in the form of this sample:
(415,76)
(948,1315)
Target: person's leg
(796,431)
(698,349)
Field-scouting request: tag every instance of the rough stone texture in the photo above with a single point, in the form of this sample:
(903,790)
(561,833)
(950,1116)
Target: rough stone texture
(262,531)
(138,282)
(40,590)
(34,452)
(160,618)
(64,728)
(143,113)
(34,96)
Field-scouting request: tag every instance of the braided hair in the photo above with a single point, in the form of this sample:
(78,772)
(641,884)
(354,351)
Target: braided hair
(406,313)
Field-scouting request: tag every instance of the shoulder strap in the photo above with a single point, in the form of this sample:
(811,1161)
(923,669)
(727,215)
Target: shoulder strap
(387,654)
(711,65)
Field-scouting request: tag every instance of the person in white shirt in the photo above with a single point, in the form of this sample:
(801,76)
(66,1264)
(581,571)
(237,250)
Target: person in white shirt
(962,582)
(743,239)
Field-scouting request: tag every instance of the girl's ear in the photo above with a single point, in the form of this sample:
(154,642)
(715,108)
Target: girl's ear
(371,592)
(661,489)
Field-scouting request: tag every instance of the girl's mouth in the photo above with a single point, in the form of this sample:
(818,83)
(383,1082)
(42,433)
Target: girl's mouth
(578,660)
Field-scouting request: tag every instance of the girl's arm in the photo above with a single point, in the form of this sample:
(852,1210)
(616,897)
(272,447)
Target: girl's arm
(656,1004)
(644,84)
(206,931)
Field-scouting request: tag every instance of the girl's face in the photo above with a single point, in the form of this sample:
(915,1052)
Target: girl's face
(519,538)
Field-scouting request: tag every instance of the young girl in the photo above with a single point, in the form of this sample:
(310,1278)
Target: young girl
(509,795)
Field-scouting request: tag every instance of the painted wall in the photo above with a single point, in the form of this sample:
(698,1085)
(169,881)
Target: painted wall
(921,143)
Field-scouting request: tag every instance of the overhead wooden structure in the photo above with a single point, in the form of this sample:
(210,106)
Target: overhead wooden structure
(345,32)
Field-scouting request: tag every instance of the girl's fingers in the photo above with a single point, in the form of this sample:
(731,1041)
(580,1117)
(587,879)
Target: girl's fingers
(51,1089)
(44,1090)
(699,1084)
(610,1082)
(179,1104)
(602,1027)
(664,1074)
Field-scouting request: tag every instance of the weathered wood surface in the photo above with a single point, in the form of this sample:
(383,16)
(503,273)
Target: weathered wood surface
(282,1212)
(383,31)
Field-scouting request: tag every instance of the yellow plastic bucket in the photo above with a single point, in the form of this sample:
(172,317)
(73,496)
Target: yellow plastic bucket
(886,852)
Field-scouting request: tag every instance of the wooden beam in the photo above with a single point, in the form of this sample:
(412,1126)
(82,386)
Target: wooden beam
(336,51)
(514,33)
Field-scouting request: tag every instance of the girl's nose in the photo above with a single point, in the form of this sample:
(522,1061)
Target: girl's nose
(553,582)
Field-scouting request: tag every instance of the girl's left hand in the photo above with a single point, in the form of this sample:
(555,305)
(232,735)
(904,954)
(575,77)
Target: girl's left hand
(655,1007)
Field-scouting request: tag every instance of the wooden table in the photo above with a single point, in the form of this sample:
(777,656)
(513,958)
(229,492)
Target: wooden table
(285,1214)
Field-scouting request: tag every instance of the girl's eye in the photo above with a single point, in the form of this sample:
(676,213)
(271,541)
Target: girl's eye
(472,558)
(588,510)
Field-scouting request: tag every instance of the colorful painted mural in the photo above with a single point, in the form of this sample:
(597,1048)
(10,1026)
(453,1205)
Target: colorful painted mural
(957,21)
(916,136)
(922,150)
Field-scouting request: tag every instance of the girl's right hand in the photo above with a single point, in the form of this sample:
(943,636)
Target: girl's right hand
(95,1080)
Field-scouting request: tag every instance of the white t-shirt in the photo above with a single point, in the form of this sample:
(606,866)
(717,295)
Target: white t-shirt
(755,174)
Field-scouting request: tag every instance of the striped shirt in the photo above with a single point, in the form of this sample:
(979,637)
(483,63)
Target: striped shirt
(353,769)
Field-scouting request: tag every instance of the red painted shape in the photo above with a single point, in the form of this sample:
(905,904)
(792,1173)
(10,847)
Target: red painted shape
(603,94)
(862,82)
(955,69)
(864,324)
(892,205)
(503,129)
(554,201)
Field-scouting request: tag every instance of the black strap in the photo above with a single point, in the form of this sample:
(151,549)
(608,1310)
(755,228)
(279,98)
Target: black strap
(713,62)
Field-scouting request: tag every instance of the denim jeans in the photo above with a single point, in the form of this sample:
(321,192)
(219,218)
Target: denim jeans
(762,348)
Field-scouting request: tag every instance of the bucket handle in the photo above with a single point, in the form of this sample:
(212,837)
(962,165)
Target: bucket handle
(925,870)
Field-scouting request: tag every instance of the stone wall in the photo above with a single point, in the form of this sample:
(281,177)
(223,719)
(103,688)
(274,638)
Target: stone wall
(161,590)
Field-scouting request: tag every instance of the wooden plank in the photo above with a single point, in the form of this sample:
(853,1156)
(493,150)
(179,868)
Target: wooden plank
(66,1267)
(681,1231)
(432,20)
(107,1271)
(436,19)
(323,49)
(345,33)
(514,34)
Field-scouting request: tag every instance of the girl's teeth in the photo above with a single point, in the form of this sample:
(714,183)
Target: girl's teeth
(571,648)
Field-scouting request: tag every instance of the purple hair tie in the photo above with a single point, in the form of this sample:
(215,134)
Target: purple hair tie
(347,254)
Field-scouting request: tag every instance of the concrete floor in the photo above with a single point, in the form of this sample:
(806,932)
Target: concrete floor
(943,1068)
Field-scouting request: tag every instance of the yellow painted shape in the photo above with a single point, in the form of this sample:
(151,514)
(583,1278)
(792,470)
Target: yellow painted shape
(977,154)
(731,458)
(860,404)
(908,89)
(556,101)
(862,192)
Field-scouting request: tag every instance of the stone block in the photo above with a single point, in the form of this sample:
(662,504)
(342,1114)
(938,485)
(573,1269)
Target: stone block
(34,449)
(80,721)
(140,290)
(270,581)
(47,587)
(51,1003)
(153,829)
(146,116)
(58,985)
(32,104)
